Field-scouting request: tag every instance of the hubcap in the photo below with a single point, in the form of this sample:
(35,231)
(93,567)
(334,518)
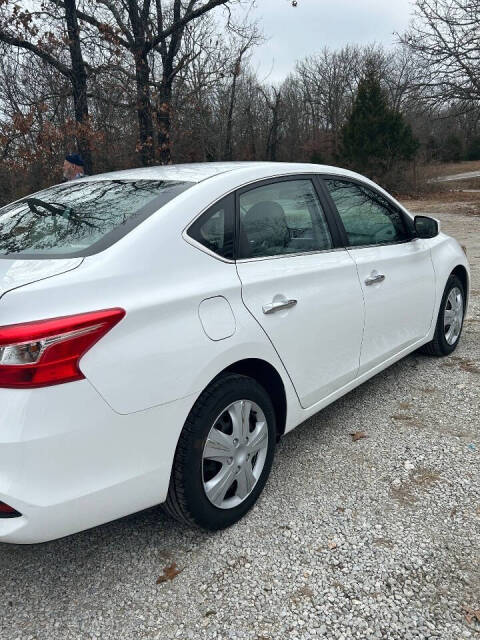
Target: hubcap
(453,316)
(234,454)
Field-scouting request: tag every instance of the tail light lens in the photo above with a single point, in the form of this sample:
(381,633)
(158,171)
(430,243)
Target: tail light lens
(47,352)
(6,511)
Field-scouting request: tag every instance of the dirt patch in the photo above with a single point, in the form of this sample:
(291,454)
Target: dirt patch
(304,592)
(406,420)
(464,364)
(419,479)
(424,477)
(428,390)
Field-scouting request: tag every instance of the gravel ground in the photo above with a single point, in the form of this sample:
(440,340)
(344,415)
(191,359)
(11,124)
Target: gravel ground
(377,538)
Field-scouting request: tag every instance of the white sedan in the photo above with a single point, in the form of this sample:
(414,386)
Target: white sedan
(163,327)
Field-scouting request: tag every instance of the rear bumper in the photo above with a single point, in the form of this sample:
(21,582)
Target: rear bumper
(69,462)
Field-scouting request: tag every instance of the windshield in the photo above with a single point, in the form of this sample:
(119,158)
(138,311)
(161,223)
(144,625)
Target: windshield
(80,218)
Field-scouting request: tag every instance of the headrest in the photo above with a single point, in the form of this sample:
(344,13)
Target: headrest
(265,213)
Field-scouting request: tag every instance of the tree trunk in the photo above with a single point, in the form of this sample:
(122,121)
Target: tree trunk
(253,145)
(164,121)
(79,83)
(228,152)
(144,110)
(272,142)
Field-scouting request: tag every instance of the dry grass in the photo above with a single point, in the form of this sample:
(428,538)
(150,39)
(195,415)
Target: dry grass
(450,168)
(424,185)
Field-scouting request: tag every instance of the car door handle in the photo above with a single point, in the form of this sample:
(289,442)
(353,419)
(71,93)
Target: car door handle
(278,306)
(374,278)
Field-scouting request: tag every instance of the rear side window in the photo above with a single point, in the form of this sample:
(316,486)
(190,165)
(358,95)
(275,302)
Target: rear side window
(214,228)
(282,218)
(80,218)
(368,217)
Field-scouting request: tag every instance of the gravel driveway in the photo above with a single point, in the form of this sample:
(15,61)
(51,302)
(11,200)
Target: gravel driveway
(458,176)
(377,538)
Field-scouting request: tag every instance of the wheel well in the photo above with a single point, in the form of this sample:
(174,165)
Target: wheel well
(461,273)
(266,375)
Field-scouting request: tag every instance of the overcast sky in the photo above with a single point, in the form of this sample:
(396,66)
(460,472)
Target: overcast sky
(296,32)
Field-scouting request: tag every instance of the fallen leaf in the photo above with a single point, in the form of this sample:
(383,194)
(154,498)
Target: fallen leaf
(383,542)
(472,614)
(304,592)
(358,435)
(169,573)
(332,544)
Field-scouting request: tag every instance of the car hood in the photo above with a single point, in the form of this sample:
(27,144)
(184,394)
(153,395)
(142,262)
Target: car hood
(16,273)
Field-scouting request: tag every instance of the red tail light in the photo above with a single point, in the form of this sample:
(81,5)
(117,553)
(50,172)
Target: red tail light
(47,352)
(6,511)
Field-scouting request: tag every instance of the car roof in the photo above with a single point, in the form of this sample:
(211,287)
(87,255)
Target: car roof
(189,172)
(200,171)
(232,175)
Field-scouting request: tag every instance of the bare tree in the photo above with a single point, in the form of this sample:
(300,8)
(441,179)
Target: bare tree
(144,27)
(249,37)
(445,38)
(273,100)
(328,82)
(20,28)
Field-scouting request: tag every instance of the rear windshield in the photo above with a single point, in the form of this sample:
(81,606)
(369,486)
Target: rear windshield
(80,218)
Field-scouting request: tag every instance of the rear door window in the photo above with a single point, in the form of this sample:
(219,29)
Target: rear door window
(282,218)
(80,218)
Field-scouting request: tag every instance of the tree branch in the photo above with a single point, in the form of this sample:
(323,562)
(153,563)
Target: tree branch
(187,17)
(38,51)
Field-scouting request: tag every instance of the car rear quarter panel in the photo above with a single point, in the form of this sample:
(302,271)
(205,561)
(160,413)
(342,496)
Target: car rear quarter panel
(161,352)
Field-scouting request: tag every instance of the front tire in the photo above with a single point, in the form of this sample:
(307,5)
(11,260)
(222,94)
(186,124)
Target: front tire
(450,320)
(224,454)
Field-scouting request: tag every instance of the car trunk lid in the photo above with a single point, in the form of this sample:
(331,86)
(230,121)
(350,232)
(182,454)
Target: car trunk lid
(17,273)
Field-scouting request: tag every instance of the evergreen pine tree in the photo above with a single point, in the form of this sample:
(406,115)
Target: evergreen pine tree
(376,137)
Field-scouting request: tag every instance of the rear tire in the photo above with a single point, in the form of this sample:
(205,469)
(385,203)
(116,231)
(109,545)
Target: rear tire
(450,320)
(217,476)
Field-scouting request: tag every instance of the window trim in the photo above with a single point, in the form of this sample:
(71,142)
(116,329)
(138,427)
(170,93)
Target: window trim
(334,222)
(337,241)
(406,220)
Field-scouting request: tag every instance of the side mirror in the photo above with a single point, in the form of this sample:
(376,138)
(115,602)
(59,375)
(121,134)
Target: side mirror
(425,227)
